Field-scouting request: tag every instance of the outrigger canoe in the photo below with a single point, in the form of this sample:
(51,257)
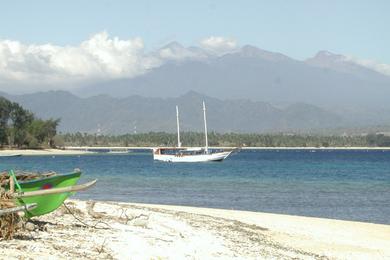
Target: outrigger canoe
(48,192)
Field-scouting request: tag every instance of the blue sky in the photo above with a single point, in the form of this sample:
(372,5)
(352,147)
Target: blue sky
(296,28)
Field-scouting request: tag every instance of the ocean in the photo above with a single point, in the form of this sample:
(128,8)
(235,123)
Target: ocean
(340,184)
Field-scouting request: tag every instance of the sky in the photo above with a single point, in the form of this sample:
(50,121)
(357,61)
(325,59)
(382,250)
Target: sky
(44,40)
(296,28)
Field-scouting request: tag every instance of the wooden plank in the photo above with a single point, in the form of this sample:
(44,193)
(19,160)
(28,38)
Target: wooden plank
(74,188)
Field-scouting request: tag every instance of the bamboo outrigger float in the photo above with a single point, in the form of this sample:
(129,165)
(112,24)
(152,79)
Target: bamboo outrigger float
(12,210)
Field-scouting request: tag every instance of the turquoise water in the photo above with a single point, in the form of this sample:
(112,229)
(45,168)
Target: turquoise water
(351,185)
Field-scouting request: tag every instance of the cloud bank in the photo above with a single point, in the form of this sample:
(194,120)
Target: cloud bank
(219,45)
(101,57)
(371,64)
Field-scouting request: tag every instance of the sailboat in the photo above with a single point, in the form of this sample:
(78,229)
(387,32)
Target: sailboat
(189,154)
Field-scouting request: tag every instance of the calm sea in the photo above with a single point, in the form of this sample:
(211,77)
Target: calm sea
(351,185)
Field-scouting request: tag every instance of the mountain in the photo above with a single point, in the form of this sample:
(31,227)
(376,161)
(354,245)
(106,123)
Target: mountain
(326,80)
(143,114)
(340,63)
(247,90)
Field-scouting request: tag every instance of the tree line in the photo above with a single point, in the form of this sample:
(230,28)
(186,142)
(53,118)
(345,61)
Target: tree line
(225,140)
(20,128)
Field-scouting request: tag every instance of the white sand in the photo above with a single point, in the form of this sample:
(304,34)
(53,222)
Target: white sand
(52,152)
(144,231)
(329,237)
(83,150)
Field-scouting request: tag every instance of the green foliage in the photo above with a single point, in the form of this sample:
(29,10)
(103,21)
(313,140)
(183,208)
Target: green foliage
(379,140)
(227,139)
(19,127)
(58,141)
(5,111)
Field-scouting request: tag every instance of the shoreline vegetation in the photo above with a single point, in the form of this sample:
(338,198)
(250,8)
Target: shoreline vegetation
(21,129)
(190,139)
(195,139)
(64,143)
(113,230)
(89,150)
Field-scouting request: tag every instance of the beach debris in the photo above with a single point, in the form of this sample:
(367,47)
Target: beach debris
(69,208)
(78,215)
(29,226)
(90,210)
(9,223)
(141,221)
(24,176)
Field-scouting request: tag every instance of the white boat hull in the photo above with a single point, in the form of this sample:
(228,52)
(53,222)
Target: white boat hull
(192,158)
(10,155)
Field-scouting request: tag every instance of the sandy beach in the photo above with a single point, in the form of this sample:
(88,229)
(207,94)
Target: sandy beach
(110,230)
(83,148)
(89,150)
(50,152)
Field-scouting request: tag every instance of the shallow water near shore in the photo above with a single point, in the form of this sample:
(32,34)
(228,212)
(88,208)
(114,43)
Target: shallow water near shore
(341,184)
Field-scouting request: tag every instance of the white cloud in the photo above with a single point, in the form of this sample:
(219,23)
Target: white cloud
(175,51)
(101,57)
(371,64)
(96,58)
(219,45)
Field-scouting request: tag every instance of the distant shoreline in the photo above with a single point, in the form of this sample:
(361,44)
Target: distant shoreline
(81,148)
(51,152)
(85,150)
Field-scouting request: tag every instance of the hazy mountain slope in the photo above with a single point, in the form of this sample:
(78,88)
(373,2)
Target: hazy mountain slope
(123,115)
(259,75)
(341,63)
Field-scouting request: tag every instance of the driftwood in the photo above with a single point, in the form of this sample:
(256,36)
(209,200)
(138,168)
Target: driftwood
(91,212)
(11,184)
(54,191)
(8,222)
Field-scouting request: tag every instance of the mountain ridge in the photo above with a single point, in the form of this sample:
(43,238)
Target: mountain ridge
(110,115)
(261,75)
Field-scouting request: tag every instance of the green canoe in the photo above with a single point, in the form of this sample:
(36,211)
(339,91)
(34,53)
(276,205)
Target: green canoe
(47,203)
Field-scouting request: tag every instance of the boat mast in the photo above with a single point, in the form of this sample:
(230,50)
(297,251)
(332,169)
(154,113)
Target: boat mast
(205,128)
(178,127)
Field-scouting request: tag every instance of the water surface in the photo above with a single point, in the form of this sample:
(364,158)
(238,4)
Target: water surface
(351,185)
